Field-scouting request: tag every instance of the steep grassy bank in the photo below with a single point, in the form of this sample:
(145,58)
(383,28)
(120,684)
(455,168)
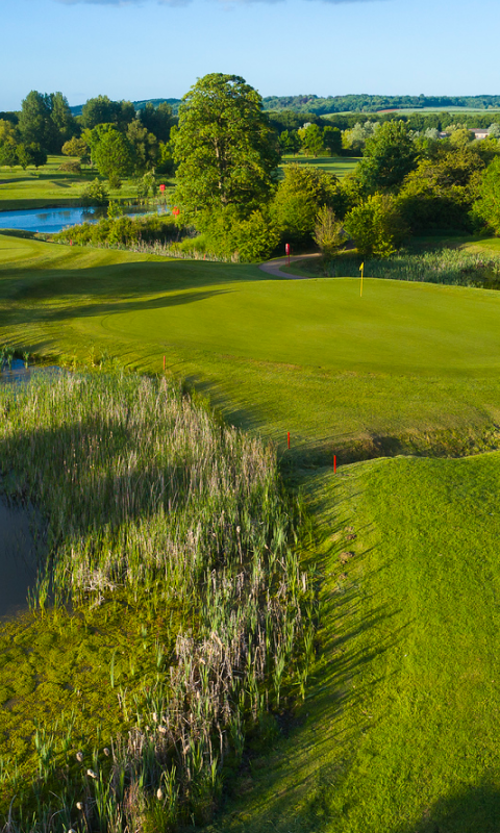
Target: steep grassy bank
(399,730)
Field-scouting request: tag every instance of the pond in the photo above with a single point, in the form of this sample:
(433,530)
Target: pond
(50,220)
(18,559)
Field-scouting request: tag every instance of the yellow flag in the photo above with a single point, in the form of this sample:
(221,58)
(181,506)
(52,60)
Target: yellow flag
(362,267)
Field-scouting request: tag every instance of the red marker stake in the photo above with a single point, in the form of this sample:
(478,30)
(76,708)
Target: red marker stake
(288,438)
(164,363)
(334,463)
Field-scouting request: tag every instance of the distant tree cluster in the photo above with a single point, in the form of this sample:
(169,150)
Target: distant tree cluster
(118,140)
(372,103)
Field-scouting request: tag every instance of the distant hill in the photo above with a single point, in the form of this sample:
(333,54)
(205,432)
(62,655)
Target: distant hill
(373,103)
(139,105)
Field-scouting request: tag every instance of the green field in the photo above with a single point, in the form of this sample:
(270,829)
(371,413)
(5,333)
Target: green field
(49,186)
(399,730)
(338,165)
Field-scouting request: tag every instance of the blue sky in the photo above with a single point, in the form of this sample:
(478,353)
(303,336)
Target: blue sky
(153,49)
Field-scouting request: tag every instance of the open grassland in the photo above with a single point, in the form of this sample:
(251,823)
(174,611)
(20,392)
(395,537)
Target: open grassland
(398,732)
(48,186)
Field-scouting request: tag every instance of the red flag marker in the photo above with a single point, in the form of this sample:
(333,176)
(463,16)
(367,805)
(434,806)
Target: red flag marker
(164,363)
(288,438)
(334,463)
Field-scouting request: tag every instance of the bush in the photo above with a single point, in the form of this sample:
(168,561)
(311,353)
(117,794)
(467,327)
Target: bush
(95,193)
(329,232)
(71,166)
(376,226)
(232,238)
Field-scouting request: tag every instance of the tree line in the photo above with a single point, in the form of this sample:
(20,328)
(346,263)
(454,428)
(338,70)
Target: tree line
(372,103)
(116,137)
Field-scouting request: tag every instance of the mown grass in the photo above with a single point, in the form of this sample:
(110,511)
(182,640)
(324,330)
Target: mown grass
(407,366)
(399,732)
(338,165)
(48,186)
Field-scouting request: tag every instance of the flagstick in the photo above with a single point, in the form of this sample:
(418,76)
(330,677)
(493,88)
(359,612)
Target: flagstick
(361,269)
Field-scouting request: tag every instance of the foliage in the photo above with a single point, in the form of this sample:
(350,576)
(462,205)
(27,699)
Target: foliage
(487,206)
(300,195)
(157,120)
(329,232)
(124,230)
(147,186)
(439,194)
(101,110)
(289,141)
(311,139)
(461,137)
(376,226)
(240,240)
(77,146)
(389,155)
(95,193)
(112,153)
(31,154)
(46,120)
(224,147)
(354,140)
(71,166)
(9,138)
(165,162)
(144,147)
(332,140)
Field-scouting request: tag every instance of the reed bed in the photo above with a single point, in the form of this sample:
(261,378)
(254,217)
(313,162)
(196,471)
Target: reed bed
(443,266)
(146,495)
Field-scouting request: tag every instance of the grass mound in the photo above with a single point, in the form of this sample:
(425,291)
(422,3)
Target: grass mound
(151,505)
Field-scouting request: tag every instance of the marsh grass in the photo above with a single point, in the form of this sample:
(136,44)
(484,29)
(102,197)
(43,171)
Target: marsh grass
(443,266)
(146,496)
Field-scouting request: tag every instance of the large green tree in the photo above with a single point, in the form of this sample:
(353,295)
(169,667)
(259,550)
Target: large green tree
(35,120)
(101,110)
(388,157)
(225,149)
(112,153)
(157,120)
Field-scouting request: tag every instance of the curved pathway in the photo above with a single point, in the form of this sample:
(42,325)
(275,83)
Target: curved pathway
(273,267)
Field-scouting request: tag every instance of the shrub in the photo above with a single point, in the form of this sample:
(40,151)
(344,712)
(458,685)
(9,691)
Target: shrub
(376,226)
(329,232)
(95,193)
(71,166)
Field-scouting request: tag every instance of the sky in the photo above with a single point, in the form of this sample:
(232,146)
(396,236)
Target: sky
(139,49)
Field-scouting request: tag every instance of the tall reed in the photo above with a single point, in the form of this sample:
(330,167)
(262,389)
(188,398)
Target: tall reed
(144,492)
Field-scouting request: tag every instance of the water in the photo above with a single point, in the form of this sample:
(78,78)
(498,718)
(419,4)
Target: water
(18,562)
(50,220)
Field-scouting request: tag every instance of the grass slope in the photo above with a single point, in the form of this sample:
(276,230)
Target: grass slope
(400,731)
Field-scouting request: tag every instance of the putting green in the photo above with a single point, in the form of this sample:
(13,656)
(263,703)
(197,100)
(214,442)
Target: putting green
(394,328)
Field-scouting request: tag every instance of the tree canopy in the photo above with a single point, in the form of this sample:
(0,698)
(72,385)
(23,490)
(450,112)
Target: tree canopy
(388,157)
(225,149)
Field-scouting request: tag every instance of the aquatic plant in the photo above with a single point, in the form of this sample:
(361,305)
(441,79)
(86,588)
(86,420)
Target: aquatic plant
(147,495)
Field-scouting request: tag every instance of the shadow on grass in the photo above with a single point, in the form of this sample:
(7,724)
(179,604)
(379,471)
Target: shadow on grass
(473,809)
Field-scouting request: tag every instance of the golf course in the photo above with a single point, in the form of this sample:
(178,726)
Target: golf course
(398,730)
